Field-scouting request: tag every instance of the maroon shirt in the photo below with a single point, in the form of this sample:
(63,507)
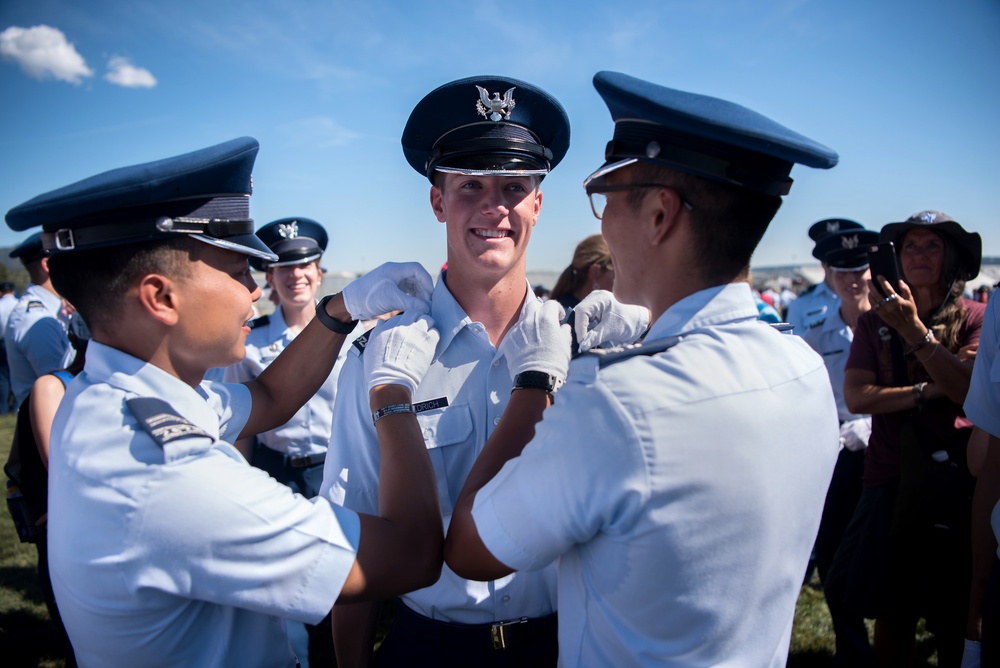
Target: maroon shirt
(942,420)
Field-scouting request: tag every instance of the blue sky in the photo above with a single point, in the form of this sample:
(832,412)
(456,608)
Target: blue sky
(907,91)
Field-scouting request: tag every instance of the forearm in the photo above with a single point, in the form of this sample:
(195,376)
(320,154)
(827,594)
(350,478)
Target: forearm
(354,627)
(951,375)
(871,399)
(464,550)
(297,373)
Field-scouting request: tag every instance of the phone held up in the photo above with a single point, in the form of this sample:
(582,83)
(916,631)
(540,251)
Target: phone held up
(882,262)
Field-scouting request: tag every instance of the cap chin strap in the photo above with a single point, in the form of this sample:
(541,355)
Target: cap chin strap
(66,239)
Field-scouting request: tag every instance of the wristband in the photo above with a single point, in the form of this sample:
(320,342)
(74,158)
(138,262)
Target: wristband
(331,323)
(536,380)
(918,395)
(928,339)
(392,409)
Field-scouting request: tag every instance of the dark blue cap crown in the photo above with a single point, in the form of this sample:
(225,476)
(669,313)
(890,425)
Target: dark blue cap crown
(821,228)
(30,249)
(486,125)
(204,194)
(293,240)
(703,135)
(846,249)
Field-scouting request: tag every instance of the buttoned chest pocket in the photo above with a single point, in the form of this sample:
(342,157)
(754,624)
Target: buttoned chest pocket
(449,435)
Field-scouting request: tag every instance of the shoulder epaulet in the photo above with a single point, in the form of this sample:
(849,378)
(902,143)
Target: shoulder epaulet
(262,321)
(361,342)
(607,357)
(161,421)
(809,289)
(33,304)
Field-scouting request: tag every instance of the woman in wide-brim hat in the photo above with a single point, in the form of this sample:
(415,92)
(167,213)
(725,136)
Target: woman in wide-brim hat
(906,553)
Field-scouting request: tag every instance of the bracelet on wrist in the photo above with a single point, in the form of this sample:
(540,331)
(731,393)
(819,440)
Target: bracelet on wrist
(391,409)
(331,323)
(918,395)
(536,380)
(922,343)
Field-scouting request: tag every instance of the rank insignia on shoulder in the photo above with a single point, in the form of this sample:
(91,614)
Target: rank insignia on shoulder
(32,305)
(611,356)
(362,341)
(161,421)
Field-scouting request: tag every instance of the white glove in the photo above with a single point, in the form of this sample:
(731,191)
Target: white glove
(538,342)
(601,320)
(393,286)
(400,351)
(971,655)
(854,434)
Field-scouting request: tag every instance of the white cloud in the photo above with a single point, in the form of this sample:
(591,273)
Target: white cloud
(124,73)
(43,52)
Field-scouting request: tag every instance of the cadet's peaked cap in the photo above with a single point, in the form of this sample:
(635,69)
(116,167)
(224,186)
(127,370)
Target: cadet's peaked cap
(205,194)
(705,136)
(293,240)
(30,249)
(821,228)
(846,250)
(969,245)
(486,126)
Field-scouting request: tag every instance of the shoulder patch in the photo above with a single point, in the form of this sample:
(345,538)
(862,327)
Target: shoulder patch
(361,342)
(611,356)
(262,321)
(161,421)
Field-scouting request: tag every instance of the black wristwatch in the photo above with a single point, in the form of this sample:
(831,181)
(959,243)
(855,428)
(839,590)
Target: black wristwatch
(330,322)
(536,380)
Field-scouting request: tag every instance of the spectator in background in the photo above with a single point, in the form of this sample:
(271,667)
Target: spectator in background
(906,553)
(591,269)
(814,303)
(7,302)
(845,254)
(35,336)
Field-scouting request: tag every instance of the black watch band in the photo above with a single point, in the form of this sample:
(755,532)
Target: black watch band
(330,322)
(536,380)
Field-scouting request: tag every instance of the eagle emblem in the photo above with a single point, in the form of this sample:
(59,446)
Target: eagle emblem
(928,217)
(849,242)
(289,230)
(832,226)
(494,108)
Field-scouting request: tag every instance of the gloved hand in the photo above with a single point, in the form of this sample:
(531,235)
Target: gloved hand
(393,286)
(854,434)
(538,342)
(400,351)
(603,320)
(971,656)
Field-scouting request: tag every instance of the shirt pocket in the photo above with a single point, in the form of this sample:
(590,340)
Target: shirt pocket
(445,431)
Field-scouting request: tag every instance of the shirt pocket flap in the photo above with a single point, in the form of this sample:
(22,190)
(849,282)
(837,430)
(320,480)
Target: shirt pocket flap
(446,426)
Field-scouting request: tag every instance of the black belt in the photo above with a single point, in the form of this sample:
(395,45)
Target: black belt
(510,634)
(292,461)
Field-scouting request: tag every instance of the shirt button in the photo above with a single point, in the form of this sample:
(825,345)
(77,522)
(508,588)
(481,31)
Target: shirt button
(506,598)
(428,433)
(496,421)
(496,362)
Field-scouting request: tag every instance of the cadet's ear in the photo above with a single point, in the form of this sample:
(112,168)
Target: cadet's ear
(157,296)
(437,204)
(665,211)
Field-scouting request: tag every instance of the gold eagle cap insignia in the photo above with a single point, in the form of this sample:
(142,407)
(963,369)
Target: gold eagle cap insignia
(494,108)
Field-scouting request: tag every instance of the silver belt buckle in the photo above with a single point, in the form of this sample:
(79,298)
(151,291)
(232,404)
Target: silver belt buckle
(497,632)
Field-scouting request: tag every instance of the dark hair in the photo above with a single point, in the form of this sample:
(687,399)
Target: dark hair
(592,250)
(96,281)
(727,222)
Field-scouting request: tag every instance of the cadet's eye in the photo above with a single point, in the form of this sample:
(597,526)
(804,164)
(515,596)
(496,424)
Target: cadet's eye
(517,187)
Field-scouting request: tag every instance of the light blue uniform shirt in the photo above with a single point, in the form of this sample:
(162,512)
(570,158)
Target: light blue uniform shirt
(472,376)
(180,555)
(36,340)
(831,338)
(681,521)
(811,306)
(308,432)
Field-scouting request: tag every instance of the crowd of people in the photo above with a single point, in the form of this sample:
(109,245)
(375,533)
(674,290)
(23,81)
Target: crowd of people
(525,488)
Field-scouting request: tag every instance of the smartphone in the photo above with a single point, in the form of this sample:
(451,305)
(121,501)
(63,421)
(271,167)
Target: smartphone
(882,262)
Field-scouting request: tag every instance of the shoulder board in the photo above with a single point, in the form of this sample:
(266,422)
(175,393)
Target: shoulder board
(33,304)
(262,321)
(161,421)
(607,357)
(809,289)
(361,342)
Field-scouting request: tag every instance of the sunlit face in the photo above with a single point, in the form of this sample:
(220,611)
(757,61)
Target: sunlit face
(489,220)
(296,284)
(851,286)
(921,256)
(215,303)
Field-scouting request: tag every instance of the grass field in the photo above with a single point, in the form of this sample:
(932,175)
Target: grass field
(27,638)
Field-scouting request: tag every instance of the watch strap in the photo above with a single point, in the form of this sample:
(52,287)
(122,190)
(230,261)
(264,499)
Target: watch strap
(331,323)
